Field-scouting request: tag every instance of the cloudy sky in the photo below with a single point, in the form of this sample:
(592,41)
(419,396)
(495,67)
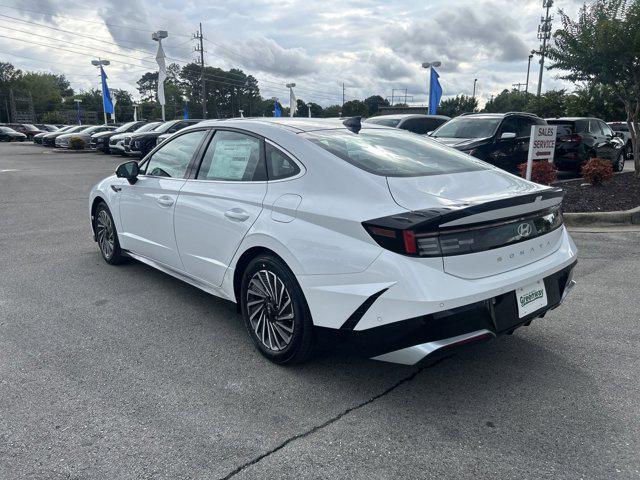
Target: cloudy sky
(372,46)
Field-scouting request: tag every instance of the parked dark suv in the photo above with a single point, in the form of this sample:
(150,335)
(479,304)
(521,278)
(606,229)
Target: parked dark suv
(100,141)
(413,122)
(139,144)
(501,139)
(578,139)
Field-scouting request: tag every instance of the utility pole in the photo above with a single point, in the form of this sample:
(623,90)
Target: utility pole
(475,80)
(343,95)
(203,86)
(526,89)
(544,34)
(517,85)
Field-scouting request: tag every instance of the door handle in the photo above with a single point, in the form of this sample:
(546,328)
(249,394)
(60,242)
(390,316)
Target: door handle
(237,214)
(165,201)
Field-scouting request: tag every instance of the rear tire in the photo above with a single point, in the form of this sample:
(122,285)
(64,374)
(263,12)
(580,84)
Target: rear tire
(275,311)
(106,235)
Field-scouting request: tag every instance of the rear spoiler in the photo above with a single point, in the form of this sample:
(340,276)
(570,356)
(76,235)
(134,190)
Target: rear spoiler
(431,219)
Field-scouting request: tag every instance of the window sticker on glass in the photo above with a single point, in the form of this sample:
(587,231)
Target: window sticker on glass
(232,158)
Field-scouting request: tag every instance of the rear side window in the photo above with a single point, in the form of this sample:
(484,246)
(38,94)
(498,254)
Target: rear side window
(279,165)
(594,127)
(582,126)
(394,153)
(233,156)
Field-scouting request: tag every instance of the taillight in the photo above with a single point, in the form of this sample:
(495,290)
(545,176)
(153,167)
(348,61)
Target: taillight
(575,138)
(441,242)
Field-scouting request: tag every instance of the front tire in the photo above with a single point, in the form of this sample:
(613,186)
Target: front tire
(618,166)
(275,311)
(106,235)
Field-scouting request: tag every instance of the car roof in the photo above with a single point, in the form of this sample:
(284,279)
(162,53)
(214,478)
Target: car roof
(404,116)
(571,119)
(294,124)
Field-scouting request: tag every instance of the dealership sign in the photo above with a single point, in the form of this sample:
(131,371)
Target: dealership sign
(542,145)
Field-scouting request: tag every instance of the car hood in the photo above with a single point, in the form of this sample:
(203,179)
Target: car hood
(108,133)
(14,134)
(458,190)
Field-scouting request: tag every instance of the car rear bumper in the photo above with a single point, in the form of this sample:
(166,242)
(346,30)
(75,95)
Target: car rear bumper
(411,341)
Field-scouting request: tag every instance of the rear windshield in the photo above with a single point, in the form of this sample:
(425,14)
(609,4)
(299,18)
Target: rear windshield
(619,127)
(385,122)
(564,128)
(394,153)
(468,127)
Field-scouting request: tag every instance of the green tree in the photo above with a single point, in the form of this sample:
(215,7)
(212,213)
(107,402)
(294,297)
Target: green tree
(550,104)
(508,101)
(452,107)
(332,111)
(355,108)
(602,46)
(374,102)
(595,100)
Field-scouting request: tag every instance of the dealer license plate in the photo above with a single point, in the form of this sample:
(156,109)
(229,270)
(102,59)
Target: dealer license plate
(531,298)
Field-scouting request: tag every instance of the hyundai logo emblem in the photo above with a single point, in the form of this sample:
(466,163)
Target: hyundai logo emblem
(524,230)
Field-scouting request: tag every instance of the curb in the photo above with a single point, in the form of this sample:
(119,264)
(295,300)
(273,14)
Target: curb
(603,219)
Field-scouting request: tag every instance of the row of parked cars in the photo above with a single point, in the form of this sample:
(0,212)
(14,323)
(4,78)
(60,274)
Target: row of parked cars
(20,132)
(502,139)
(133,138)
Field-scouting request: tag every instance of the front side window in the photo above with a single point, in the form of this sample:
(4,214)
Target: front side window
(606,129)
(172,159)
(279,165)
(416,125)
(233,156)
(394,153)
(468,127)
(594,127)
(524,126)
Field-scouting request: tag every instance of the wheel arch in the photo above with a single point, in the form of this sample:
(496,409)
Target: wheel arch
(94,205)
(243,262)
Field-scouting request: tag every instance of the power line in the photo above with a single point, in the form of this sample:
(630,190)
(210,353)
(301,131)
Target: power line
(103,40)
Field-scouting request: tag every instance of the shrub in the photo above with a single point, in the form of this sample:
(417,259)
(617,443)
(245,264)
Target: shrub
(596,171)
(76,143)
(542,172)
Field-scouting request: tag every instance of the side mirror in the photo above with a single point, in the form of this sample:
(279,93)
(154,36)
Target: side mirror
(128,170)
(507,136)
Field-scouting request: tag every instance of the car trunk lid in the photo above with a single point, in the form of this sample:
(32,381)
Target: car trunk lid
(491,203)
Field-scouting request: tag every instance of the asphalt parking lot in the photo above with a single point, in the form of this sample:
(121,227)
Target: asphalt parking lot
(126,373)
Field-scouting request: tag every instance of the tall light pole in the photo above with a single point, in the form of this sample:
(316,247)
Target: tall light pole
(293,106)
(162,70)
(429,66)
(526,88)
(100,63)
(475,80)
(78,102)
(544,34)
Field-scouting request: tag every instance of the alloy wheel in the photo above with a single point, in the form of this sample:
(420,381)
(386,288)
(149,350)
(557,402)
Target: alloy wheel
(105,233)
(270,310)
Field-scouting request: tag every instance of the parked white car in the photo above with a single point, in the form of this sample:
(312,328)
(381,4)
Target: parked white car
(404,244)
(622,130)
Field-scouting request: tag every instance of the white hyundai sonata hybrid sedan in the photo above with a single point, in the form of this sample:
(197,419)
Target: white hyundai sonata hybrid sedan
(390,238)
